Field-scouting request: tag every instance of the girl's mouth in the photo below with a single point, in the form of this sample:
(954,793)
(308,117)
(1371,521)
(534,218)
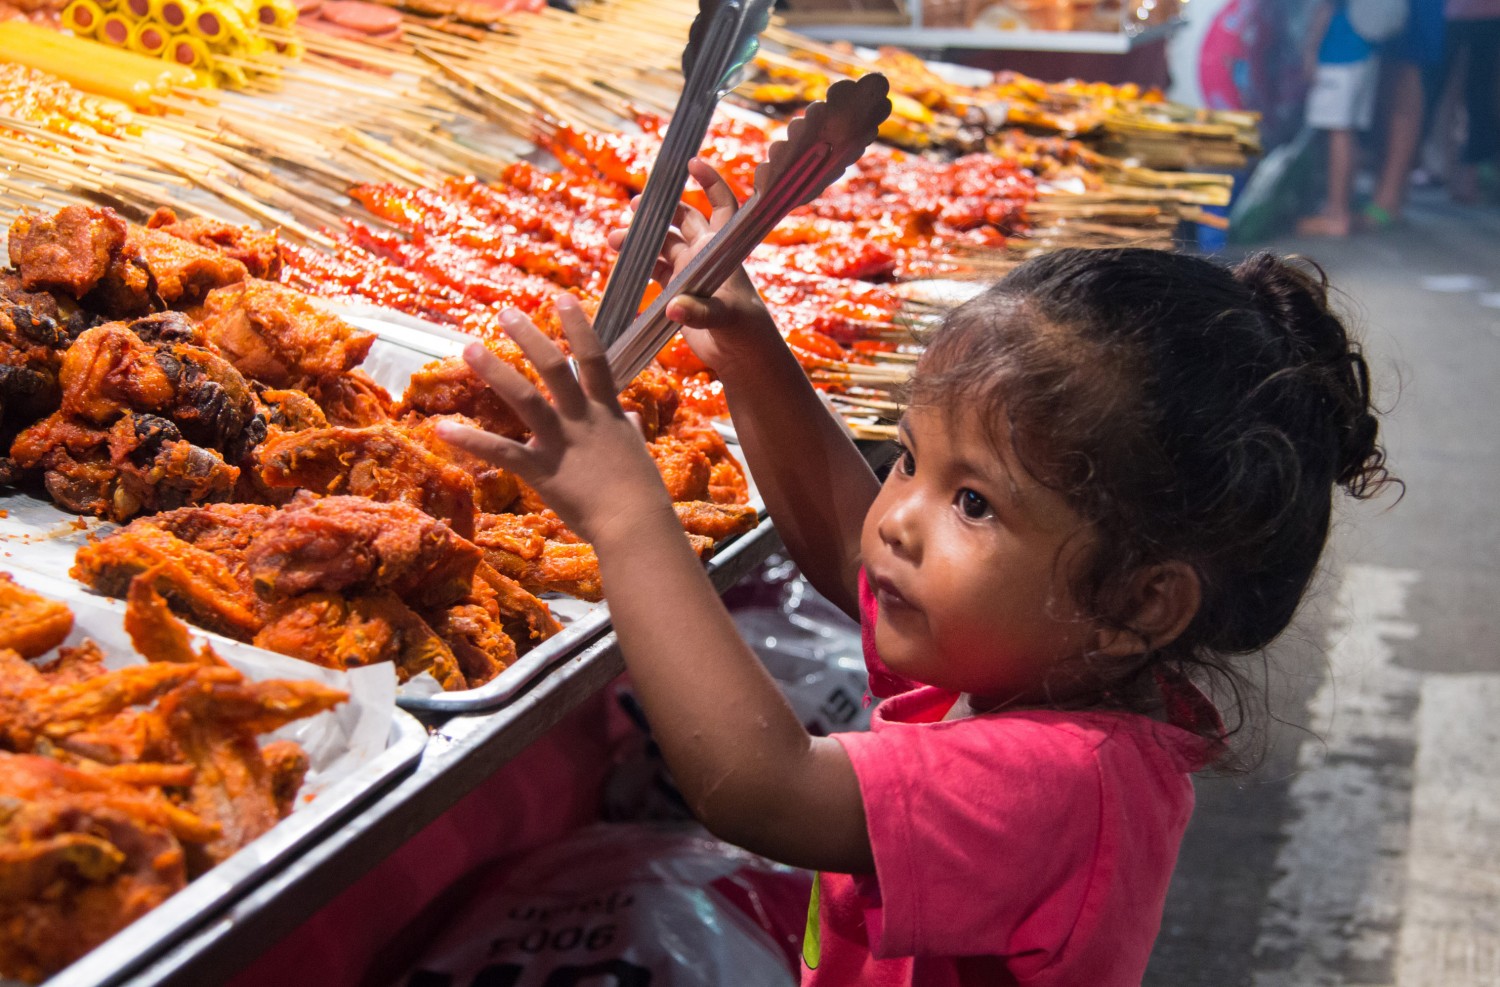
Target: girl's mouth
(888,596)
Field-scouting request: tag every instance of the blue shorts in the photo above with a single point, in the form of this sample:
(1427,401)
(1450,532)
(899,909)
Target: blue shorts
(1421,43)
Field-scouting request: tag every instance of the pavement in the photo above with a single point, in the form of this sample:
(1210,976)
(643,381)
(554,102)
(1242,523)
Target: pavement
(1364,849)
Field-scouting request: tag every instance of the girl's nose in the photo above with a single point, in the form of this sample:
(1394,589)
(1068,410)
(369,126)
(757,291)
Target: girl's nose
(900,526)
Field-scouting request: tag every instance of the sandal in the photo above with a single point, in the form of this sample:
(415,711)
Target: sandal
(1375,218)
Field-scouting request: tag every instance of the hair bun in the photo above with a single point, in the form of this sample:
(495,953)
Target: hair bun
(1295,300)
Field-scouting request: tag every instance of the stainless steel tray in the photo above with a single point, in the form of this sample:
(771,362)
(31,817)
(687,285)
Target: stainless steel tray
(141,942)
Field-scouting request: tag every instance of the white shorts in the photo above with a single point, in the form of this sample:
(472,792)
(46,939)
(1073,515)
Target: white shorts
(1343,96)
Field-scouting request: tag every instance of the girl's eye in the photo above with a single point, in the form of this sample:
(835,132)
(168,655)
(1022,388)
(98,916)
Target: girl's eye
(904,463)
(973,505)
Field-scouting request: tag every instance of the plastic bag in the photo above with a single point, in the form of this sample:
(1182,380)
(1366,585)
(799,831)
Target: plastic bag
(625,906)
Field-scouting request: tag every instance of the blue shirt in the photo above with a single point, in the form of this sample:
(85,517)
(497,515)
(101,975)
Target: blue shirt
(1341,45)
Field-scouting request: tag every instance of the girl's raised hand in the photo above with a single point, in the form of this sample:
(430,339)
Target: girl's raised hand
(736,307)
(584,456)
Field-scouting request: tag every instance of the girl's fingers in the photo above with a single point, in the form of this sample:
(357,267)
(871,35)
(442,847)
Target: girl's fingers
(514,389)
(506,453)
(588,353)
(548,360)
(720,196)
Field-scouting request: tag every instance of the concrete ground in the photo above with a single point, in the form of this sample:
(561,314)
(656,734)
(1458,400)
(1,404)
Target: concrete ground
(1365,848)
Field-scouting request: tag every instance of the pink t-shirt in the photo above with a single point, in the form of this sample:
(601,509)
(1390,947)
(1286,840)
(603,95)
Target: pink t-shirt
(1031,847)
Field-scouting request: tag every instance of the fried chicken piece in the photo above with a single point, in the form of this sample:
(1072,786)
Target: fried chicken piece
(715,521)
(110,370)
(352,631)
(197,583)
(684,469)
(154,270)
(258,250)
(30,624)
(478,641)
(214,724)
(525,619)
(74,664)
(726,479)
(158,470)
(156,634)
(81,857)
(33,709)
(540,553)
(31,347)
(353,399)
(519,548)
(69,251)
(652,395)
(279,336)
(449,387)
(356,545)
(291,410)
(140,463)
(379,462)
(226,530)
(288,764)
(495,489)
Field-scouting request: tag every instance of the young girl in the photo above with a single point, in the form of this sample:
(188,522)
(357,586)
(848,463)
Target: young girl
(1117,468)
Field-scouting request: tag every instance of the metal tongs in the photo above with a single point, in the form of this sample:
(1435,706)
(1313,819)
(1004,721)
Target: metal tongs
(817,149)
(723,39)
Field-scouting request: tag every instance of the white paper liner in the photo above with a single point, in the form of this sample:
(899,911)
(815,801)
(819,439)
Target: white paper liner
(338,742)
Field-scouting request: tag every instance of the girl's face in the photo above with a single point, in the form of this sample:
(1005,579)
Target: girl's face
(969,559)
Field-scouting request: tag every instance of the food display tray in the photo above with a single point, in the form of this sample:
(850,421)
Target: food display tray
(37,535)
(353,776)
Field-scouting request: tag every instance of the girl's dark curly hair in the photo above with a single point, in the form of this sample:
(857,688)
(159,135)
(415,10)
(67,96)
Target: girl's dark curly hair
(1189,411)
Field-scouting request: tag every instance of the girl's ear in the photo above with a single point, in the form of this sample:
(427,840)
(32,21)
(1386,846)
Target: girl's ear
(1162,600)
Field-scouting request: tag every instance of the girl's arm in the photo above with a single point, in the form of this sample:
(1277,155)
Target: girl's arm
(748,769)
(816,483)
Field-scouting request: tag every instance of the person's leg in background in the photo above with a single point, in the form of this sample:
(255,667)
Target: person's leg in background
(1482,39)
(1341,103)
(1415,86)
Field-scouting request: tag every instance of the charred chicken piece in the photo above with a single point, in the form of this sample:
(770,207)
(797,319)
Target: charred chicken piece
(31,348)
(197,583)
(30,624)
(339,631)
(380,462)
(258,250)
(279,336)
(291,410)
(140,463)
(356,545)
(153,270)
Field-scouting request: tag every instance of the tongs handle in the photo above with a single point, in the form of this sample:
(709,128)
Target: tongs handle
(817,149)
(723,38)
